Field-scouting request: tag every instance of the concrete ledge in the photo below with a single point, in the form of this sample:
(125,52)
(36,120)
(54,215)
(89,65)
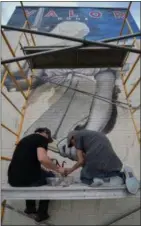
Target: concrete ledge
(72,192)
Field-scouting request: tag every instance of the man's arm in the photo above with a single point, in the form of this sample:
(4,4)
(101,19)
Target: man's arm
(46,162)
(79,163)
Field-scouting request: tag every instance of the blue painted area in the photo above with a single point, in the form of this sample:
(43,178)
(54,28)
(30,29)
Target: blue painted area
(101,22)
(17,19)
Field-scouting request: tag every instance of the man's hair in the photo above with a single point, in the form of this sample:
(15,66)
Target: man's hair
(45,130)
(71,135)
(41,130)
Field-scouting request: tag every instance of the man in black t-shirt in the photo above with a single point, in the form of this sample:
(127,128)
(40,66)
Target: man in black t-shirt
(25,167)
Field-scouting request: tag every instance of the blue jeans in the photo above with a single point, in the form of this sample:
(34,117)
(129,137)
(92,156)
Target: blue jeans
(86,178)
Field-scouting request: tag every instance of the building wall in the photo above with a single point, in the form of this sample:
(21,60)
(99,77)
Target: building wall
(88,212)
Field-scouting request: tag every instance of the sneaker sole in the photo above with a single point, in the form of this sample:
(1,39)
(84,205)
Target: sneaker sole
(131,181)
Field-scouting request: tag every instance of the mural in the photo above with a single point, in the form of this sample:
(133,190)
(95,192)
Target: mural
(88,23)
(78,111)
(84,22)
(98,23)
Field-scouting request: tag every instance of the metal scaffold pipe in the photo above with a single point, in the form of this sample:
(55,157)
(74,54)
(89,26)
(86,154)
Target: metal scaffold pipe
(85,42)
(28,24)
(122,37)
(47,52)
(127,13)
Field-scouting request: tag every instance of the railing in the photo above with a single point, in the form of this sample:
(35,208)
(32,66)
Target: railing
(126,78)
(29,82)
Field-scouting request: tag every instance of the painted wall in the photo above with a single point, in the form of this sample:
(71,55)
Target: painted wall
(94,212)
(97,23)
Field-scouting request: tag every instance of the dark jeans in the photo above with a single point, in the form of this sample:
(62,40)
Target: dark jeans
(87,179)
(43,204)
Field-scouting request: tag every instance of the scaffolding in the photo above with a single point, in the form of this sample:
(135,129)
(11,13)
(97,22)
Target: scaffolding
(25,94)
(84,44)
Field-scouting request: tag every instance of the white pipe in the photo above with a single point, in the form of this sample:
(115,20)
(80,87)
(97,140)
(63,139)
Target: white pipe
(102,110)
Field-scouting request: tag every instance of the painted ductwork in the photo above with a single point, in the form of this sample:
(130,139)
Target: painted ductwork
(100,112)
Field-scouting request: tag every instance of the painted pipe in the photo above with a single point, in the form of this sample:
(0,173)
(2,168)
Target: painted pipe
(102,110)
(100,113)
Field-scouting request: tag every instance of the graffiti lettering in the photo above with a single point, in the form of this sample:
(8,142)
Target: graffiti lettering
(93,14)
(119,14)
(29,13)
(96,14)
(51,13)
(71,13)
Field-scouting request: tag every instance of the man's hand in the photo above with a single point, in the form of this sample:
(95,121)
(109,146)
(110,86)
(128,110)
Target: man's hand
(47,162)
(80,163)
(61,171)
(68,171)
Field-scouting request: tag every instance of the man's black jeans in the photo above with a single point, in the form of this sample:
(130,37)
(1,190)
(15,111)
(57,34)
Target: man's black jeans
(43,204)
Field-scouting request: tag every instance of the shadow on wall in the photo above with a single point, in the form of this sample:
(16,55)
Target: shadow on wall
(112,121)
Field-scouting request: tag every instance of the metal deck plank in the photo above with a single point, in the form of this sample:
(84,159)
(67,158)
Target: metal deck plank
(72,192)
(85,57)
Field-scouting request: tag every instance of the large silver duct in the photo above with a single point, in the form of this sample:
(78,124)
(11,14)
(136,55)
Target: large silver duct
(100,111)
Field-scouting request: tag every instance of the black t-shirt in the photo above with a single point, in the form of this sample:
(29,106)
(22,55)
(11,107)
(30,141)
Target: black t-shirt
(25,168)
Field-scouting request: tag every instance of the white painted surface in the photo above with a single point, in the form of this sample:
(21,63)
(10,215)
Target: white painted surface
(92,212)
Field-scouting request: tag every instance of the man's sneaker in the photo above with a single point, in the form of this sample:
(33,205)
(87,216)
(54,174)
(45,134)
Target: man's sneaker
(131,181)
(40,218)
(30,211)
(116,181)
(97,182)
(109,181)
